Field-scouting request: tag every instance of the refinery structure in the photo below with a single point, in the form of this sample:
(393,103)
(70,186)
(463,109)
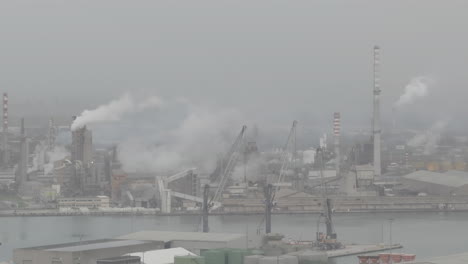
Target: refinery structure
(347,171)
(382,168)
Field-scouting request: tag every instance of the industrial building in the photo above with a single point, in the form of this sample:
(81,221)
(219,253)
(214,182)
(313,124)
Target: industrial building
(82,145)
(195,241)
(84,202)
(84,252)
(435,183)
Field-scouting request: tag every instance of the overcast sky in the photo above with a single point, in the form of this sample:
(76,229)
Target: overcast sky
(273,60)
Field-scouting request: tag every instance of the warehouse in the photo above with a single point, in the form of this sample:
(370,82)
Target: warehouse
(195,241)
(84,252)
(435,183)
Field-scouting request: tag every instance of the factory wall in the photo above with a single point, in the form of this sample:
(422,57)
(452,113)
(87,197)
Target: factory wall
(43,256)
(28,256)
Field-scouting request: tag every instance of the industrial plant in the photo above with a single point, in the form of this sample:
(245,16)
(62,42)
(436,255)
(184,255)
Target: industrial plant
(347,172)
(379,168)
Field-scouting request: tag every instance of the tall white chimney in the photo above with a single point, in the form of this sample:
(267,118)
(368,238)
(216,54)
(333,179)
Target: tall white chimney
(376,122)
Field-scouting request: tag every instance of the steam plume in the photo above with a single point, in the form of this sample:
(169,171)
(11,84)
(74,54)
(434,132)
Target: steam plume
(196,141)
(430,138)
(416,88)
(115,110)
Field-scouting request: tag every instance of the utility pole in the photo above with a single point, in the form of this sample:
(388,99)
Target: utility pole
(268,193)
(206,192)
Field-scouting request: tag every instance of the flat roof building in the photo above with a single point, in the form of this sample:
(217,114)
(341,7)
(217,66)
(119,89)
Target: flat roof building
(435,183)
(195,241)
(85,252)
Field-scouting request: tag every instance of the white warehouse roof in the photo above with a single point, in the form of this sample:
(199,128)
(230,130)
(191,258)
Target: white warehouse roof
(162,256)
(449,178)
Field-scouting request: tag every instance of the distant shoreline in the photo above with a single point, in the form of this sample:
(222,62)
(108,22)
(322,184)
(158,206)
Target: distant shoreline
(50,213)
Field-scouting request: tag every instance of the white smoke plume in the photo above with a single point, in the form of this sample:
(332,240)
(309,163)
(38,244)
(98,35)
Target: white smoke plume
(430,138)
(416,88)
(44,159)
(58,153)
(196,141)
(115,110)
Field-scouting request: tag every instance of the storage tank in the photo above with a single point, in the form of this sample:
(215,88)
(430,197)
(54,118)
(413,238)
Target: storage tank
(284,259)
(189,260)
(214,256)
(253,259)
(236,256)
(288,259)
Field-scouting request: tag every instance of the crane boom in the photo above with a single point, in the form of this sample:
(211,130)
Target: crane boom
(232,158)
(285,159)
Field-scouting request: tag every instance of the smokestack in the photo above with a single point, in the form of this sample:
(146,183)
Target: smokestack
(336,134)
(51,135)
(376,122)
(5,130)
(24,151)
(23,133)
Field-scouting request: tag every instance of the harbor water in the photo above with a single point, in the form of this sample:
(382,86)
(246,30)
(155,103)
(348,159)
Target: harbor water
(423,234)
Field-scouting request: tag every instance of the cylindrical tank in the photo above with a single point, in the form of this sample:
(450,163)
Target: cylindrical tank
(254,259)
(214,256)
(288,259)
(374,260)
(284,259)
(408,257)
(189,260)
(363,259)
(396,258)
(236,256)
(384,258)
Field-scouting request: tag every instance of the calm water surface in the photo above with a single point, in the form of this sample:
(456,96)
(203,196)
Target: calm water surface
(424,234)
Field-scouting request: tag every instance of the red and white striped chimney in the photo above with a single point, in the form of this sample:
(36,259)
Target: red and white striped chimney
(336,135)
(5,129)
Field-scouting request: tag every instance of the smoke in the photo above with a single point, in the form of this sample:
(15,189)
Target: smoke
(58,153)
(416,88)
(115,110)
(197,140)
(430,138)
(251,170)
(44,159)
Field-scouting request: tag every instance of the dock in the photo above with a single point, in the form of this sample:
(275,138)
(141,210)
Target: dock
(360,249)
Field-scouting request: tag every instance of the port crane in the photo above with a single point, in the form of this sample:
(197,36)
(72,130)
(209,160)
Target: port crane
(227,166)
(230,161)
(289,153)
(288,156)
(166,194)
(329,240)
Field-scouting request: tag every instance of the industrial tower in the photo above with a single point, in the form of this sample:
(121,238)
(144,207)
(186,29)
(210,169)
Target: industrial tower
(376,120)
(336,135)
(6,152)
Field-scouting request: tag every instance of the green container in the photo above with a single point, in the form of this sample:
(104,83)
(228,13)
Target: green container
(236,256)
(214,256)
(189,260)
